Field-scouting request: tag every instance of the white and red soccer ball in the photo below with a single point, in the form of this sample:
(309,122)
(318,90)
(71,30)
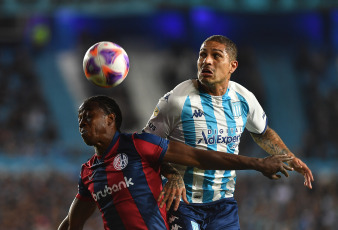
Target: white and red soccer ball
(106,64)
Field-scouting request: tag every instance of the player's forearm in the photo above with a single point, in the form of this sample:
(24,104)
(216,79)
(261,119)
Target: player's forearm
(167,170)
(182,154)
(228,161)
(271,142)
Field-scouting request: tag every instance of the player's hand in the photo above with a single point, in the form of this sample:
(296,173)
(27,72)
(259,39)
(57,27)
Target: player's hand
(173,190)
(274,164)
(302,168)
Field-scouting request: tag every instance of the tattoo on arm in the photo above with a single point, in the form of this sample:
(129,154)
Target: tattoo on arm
(270,142)
(172,174)
(176,181)
(168,170)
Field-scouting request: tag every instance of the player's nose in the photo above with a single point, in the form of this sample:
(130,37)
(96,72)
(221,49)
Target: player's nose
(207,60)
(81,123)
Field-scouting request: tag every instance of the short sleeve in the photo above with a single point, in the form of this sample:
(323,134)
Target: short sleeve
(150,147)
(164,116)
(257,120)
(83,192)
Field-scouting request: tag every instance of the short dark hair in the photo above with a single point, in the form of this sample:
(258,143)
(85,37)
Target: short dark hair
(230,46)
(108,105)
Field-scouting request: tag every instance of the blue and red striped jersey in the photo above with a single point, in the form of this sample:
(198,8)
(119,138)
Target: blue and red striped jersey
(125,182)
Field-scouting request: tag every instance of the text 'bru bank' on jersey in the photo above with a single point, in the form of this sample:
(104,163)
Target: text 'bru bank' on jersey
(198,119)
(126,182)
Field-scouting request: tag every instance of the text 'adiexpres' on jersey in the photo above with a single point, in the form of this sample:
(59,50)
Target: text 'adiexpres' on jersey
(126,182)
(203,121)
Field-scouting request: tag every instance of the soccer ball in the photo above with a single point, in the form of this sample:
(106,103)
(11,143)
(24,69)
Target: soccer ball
(106,64)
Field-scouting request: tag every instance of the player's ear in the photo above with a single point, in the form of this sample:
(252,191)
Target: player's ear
(234,65)
(111,118)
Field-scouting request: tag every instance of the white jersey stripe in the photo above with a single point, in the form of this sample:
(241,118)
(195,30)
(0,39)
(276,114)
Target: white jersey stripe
(244,118)
(209,115)
(189,135)
(231,125)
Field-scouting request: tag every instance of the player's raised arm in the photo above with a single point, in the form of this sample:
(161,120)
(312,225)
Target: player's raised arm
(273,144)
(183,154)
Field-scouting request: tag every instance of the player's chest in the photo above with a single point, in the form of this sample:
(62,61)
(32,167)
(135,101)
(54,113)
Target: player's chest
(211,111)
(113,177)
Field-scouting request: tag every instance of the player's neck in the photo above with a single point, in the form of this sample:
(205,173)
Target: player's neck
(99,151)
(102,146)
(215,89)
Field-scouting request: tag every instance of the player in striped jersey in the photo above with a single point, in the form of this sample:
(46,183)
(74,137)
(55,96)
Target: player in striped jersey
(211,112)
(123,177)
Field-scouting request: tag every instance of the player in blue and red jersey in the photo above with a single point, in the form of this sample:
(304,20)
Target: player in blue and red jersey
(123,177)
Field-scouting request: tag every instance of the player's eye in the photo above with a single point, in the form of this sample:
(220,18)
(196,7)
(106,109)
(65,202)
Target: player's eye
(202,55)
(88,117)
(217,55)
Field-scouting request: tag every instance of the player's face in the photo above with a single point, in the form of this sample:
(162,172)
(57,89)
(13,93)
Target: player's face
(93,124)
(214,65)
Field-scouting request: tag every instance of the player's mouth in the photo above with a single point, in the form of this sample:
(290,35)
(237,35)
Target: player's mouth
(206,72)
(83,131)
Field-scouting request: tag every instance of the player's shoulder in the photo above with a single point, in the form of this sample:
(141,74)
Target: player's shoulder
(186,85)
(145,136)
(149,137)
(184,88)
(239,89)
(173,100)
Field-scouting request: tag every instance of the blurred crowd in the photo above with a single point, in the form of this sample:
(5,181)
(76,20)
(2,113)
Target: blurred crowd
(40,201)
(286,204)
(27,126)
(317,72)
(37,201)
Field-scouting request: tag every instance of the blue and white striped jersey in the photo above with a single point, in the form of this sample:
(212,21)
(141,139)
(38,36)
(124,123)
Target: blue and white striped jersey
(203,121)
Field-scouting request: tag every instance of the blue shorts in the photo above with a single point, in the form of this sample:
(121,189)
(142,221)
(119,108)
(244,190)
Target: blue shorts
(218,215)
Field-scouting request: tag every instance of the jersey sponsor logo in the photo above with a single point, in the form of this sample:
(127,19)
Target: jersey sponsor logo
(120,161)
(218,138)
(114,188)
(197,113)
(236,109)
